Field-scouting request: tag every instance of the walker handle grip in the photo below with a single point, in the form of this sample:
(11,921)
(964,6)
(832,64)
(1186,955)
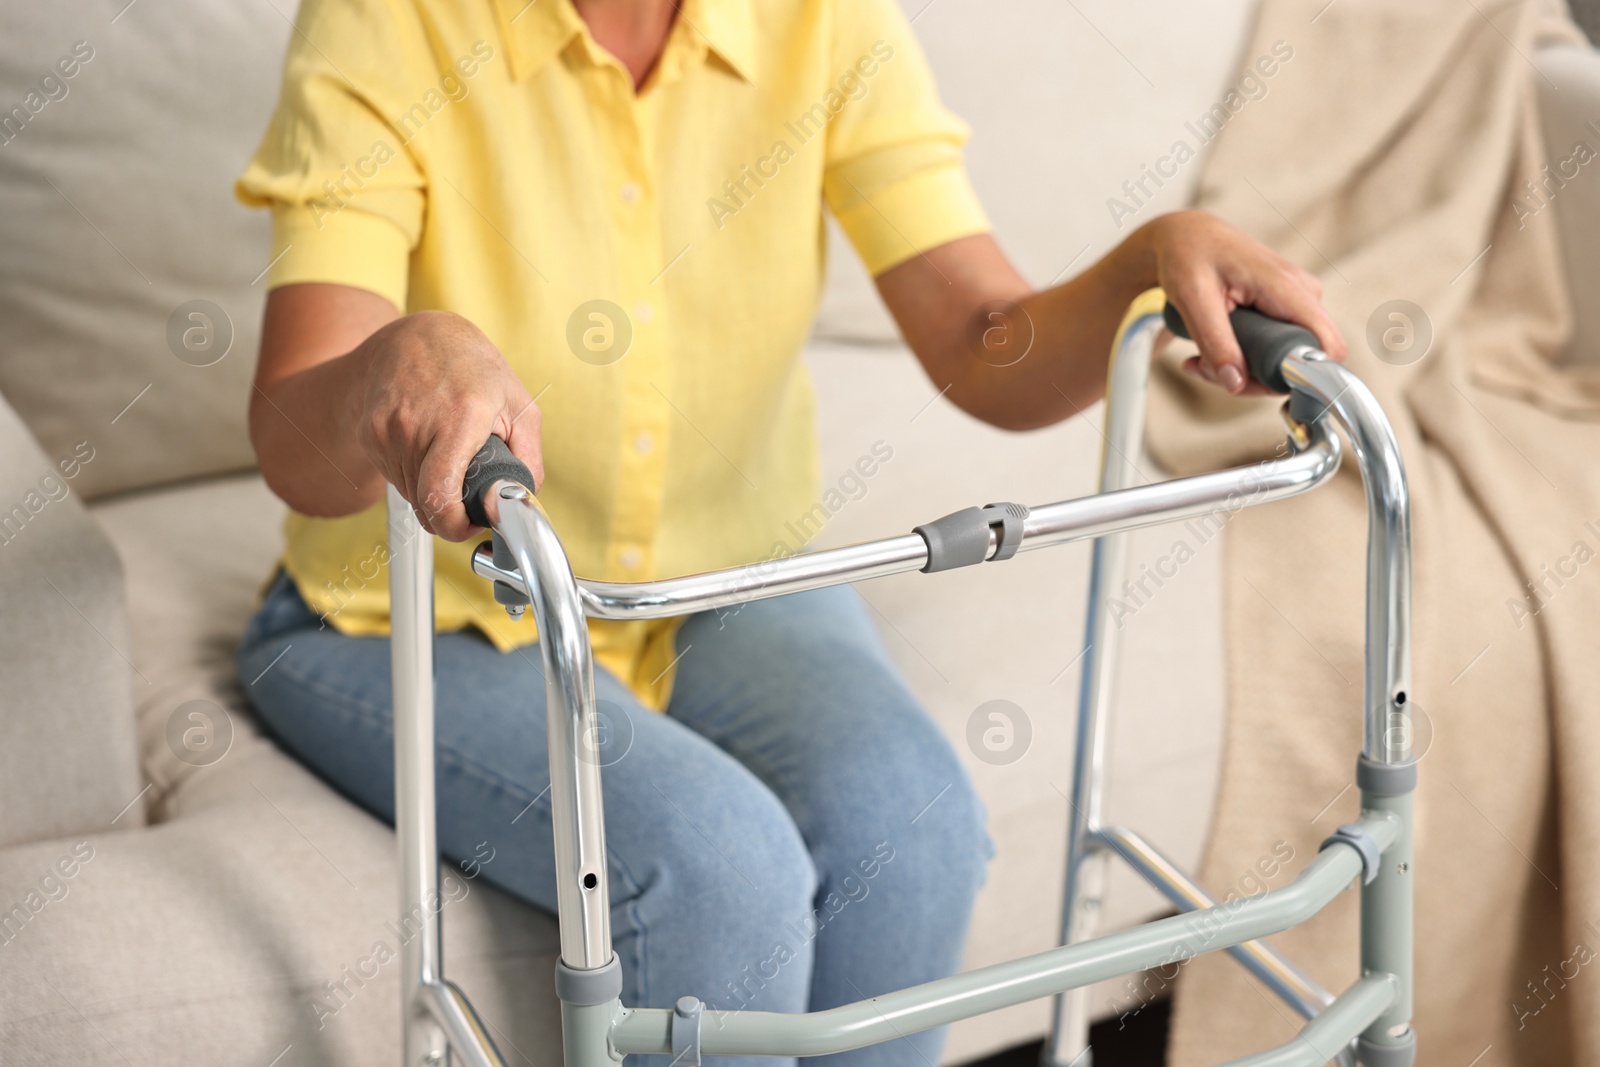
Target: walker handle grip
(1264,340)
(493,463)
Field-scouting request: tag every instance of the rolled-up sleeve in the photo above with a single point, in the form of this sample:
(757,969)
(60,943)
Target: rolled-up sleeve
(895,177)
(346,191)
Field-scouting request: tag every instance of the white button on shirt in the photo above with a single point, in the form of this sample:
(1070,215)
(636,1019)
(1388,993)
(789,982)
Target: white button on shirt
(629,192)
(643,444)
(630,556)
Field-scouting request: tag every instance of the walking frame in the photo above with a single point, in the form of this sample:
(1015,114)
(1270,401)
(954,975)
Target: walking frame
(1368,1023)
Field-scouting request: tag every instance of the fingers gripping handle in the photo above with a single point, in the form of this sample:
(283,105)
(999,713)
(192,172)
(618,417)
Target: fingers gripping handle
(493,463)
(1264,340)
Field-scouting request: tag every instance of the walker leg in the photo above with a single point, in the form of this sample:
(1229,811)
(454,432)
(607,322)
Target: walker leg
(1386,773)
(586,1033)
(1068,1044)
(411,666)
(588,975)
(1386,913)
(1087,863)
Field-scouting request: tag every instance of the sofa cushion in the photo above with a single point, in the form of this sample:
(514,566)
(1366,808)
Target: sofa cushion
(196,558)
(212,938)
(207,937)
(129,278)
(1066,103)
(67,756)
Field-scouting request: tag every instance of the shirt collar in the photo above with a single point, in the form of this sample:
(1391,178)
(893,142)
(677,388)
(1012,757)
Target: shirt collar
(728,29)
(536,31)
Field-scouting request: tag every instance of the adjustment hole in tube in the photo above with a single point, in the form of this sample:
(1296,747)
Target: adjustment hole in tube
(1400,697)
(590,881)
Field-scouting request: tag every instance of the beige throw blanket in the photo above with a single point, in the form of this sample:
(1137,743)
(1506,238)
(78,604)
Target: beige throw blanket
(1389,156)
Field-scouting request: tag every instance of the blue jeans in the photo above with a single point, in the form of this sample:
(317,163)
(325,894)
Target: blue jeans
(794,833)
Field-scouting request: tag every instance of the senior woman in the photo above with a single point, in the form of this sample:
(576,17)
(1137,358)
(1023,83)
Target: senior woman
(595,228)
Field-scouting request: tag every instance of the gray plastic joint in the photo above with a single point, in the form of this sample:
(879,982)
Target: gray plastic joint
(1010,518)
(1400,1054)
(599,985)
(511,598)
(1305,408)
(1385,779)
(686,1016)
(1353,835)
(961,538)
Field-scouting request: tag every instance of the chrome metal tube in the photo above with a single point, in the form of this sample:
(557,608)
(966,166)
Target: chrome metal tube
(583,906)
(1387,721)
(1296,988)
(411,671)
(961,996)
(1228,491)
(446,1006)
(1088,866)
(1049,524)
(1387,731)
(754,581)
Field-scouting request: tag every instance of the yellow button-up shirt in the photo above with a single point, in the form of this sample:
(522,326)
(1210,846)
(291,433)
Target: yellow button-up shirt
(648,263)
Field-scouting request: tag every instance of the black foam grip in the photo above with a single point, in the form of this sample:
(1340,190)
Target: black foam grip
(1264,340)
(493,463)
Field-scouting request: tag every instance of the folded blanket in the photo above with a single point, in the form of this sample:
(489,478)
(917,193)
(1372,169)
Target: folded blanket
(1391,155)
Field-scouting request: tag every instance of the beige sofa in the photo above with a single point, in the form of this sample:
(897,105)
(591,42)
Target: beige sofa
(173,889)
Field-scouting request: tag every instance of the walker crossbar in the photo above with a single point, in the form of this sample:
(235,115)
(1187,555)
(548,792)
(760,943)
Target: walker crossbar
(1048,524)
(527,565)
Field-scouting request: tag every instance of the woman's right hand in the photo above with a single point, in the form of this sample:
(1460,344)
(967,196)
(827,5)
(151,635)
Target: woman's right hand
(435,388)
(350,394)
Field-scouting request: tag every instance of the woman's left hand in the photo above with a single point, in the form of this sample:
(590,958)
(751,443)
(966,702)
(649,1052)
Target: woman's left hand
(1208,268)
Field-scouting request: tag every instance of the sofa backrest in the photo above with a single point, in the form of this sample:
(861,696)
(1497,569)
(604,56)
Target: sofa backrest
(68,759)
(130,295)
(1586,13)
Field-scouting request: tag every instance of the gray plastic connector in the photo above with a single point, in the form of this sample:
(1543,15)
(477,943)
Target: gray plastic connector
(686,1016)
(1010,518)
(507,596)
(1403,1054)
(586,987)
(1385,779)
(1305,408)
(961,538)
(1353,835)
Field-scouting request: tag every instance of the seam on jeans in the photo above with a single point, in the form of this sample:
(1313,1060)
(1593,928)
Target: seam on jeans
(640,929)
(641,968)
